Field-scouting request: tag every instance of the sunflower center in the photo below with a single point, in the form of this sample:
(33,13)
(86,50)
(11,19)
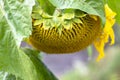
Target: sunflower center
(66,40)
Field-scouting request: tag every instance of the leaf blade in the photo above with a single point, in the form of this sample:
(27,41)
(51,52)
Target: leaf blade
(95,7)
(18,16)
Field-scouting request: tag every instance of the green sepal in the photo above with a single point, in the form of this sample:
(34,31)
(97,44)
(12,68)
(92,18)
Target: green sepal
(64,16)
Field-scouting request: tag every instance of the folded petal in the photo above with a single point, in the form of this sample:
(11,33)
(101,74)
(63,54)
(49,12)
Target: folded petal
(107,33)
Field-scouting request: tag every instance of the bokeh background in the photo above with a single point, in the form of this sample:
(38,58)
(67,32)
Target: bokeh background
(83,66)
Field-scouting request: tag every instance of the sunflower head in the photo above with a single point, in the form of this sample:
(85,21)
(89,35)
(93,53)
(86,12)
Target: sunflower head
(69,30)
(64,32)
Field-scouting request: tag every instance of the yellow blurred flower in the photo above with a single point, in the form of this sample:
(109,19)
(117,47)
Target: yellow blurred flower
(107,32)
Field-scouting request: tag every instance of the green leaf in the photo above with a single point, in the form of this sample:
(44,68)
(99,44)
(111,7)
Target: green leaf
(12,59)
(115,5)
(43,72)
(15,23)
(95,7)
(8,76)
(46,6)
(15,61)
(12,29)
(17,15)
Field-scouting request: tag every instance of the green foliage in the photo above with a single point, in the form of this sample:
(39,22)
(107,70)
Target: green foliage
(46,6)
(95,7)
(16,16)
(8,76)
(15,61)
(115,5)
(42,72)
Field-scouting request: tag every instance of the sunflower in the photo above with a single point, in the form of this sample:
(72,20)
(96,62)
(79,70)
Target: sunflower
(70,32)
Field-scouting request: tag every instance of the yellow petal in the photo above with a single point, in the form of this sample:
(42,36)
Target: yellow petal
(109,13)
(109,23)
(107,33)
(99,45)
(112,37)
